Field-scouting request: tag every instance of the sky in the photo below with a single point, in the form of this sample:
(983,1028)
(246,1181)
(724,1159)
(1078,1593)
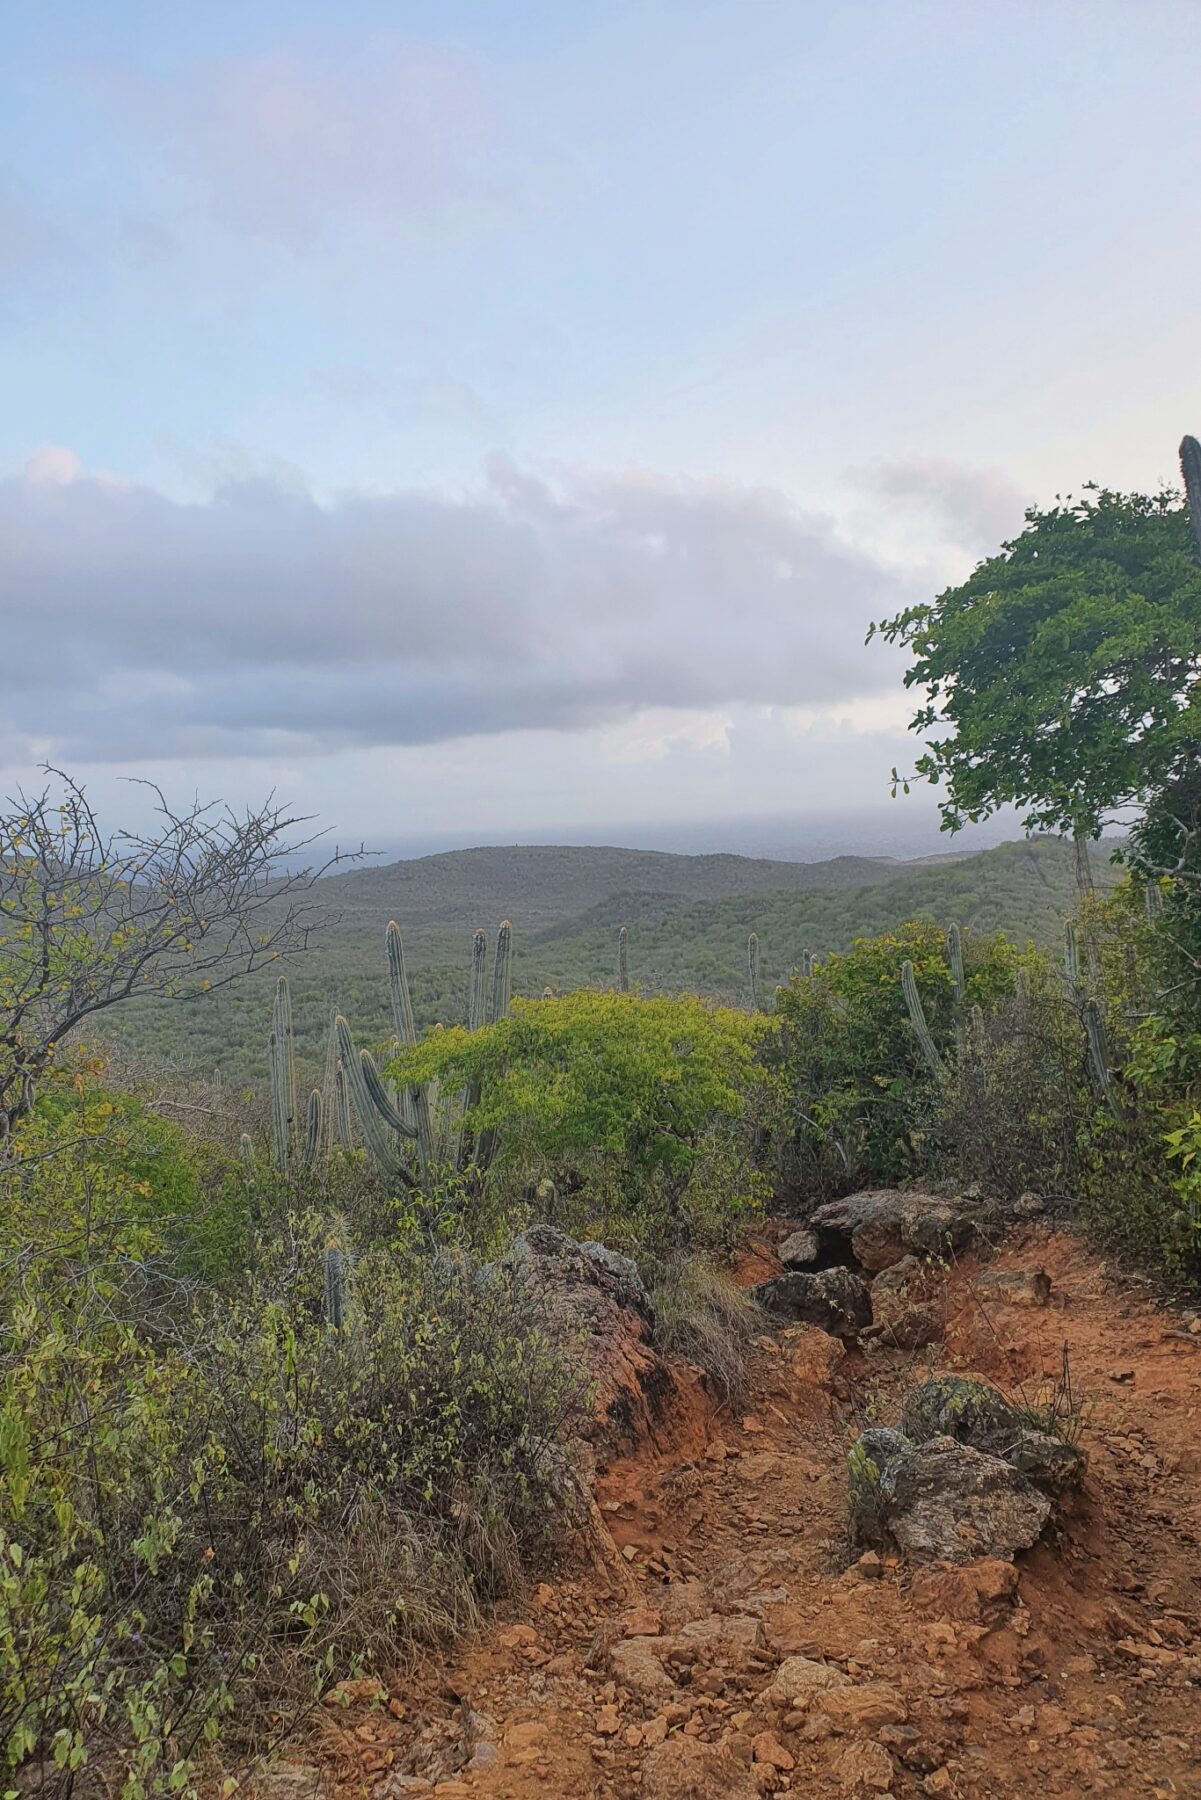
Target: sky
(483,422)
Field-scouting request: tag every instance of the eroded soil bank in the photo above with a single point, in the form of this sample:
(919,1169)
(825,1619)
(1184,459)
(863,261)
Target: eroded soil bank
(733,1645)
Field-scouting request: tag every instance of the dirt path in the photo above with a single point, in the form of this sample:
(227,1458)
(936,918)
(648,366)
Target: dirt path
(1079,1675)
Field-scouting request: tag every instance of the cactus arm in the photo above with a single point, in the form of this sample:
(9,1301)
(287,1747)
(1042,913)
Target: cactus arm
(1071,956)
(312,1129)
(342,1116)
(917,1016)
(391,1115)
(623,961)
(369,1122)
(404,1023)
(752,968)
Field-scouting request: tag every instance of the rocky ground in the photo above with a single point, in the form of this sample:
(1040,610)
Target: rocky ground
(732,1641)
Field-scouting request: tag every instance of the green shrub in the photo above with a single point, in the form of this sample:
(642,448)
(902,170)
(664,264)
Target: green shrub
(848,1072)
(201,1532)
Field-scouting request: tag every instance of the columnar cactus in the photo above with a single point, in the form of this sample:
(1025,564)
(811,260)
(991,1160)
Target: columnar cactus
(281,1061)
(917,1017)
(1098,1057)
(1190,468)
(312,1129)
(502,973)
(623,961)
(955,958)
(752,969)
(1071,956)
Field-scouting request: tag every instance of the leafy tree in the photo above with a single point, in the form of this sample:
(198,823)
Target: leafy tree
(1065,668)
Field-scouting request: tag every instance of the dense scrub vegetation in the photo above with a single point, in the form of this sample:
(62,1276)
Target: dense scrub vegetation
(275,1406)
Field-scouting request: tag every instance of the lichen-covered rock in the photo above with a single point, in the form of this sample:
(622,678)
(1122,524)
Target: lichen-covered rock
(799,1249)
(836,1299)
(941,1499)
(586,1264)
(974,1413)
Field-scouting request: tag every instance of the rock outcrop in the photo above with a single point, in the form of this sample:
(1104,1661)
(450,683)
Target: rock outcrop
(594,1302)
(975,1414)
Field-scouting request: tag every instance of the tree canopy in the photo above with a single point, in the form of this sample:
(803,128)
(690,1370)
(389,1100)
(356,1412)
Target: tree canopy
(1061,677)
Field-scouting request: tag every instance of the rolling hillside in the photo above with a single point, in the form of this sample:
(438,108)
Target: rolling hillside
(688,918)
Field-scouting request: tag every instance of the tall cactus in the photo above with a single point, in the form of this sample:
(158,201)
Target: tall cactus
(1071,956)
(404,1024)
(502,973)
(1190,468)
(752,969)
(1098,1057)
(335,1286)
(623,961)
(281,1059)
(477,989)
(917,1017)
(955,958)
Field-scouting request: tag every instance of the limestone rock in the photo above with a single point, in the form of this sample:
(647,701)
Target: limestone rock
(799,1679)
(865,1768)
(1015,1287)
(880,1226)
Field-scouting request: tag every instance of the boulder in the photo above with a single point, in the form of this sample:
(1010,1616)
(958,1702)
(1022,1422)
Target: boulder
(799,1249)
(974,1413)
(941,1499)
(836,1299)
(880,1226)
(685,1769)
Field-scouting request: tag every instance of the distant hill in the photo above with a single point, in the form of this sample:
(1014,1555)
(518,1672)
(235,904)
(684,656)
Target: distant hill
(688,916)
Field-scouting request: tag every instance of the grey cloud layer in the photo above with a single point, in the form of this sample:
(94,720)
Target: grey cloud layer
(262,622)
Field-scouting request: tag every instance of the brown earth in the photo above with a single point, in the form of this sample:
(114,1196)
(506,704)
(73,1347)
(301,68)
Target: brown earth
(736,1647)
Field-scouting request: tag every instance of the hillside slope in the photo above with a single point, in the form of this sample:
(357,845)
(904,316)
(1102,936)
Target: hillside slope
(689,918)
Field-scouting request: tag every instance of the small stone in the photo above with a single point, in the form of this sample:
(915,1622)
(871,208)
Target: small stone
(767,1748)
(939,1781)
(1015,1287)
(799,1249)
(799,1679)
(869,1566)
(517,1637)
(608,1720)
(865,1768)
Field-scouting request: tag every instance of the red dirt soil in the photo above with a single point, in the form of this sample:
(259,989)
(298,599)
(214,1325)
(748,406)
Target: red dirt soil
(1085,1678)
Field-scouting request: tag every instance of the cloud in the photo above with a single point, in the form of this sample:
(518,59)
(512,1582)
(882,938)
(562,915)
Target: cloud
(264,623)
(937,517)
(296,152)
